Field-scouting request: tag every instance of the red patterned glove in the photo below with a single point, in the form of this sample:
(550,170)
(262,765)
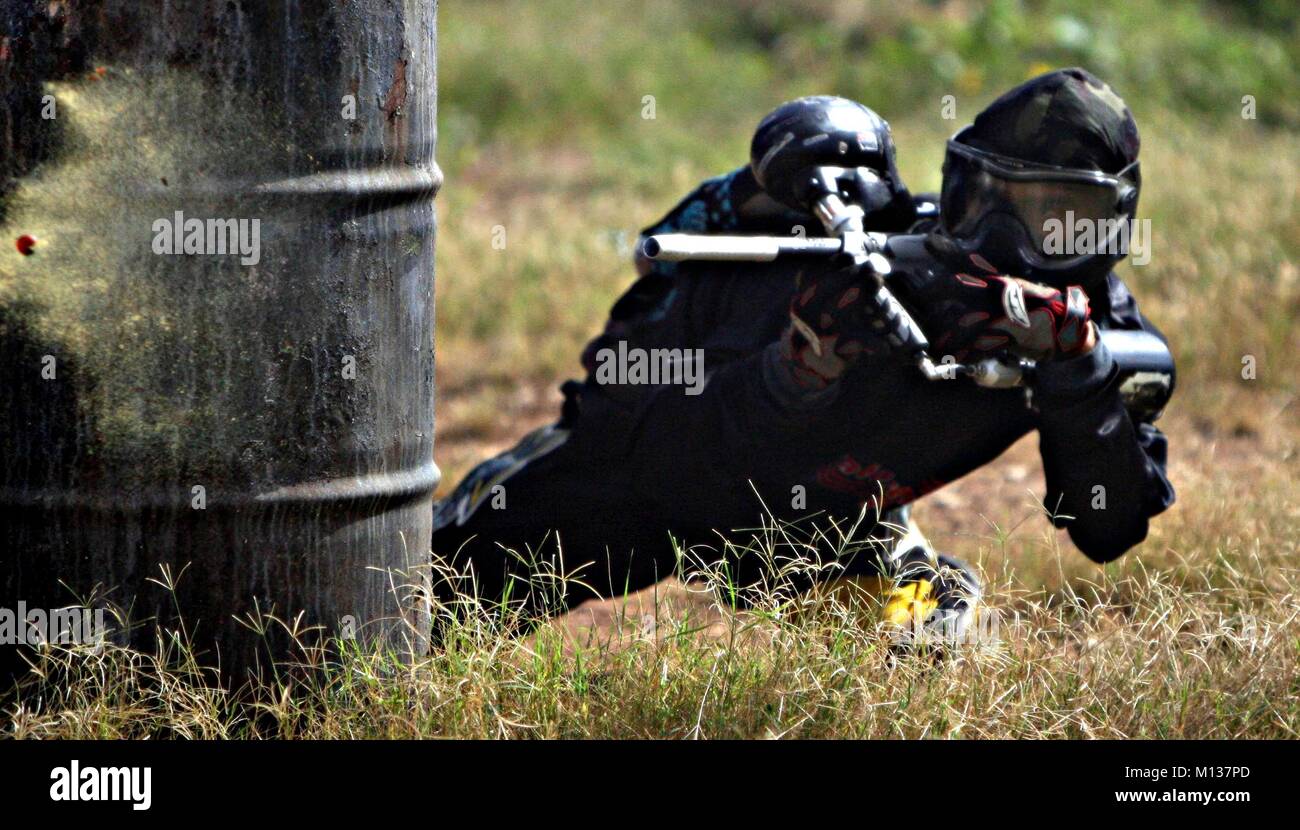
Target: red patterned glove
(829,326)
(985,314)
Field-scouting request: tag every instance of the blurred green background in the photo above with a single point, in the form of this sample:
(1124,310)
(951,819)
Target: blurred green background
(540,73)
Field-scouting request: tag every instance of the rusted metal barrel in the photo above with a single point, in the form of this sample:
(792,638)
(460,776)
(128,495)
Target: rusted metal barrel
(216,315)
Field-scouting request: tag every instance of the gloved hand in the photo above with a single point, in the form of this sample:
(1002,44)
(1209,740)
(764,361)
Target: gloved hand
(969,315)
(830,326)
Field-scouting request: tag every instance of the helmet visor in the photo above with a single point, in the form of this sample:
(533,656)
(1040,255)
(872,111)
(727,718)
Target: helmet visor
(1046,201)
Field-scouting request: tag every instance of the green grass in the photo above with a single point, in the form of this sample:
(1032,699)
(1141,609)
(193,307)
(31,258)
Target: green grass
(1194,634)
(1135,651)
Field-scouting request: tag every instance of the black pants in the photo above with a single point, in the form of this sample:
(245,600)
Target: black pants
(561,514)
(573,513)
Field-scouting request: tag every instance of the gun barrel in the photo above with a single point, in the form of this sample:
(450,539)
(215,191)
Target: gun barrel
(677,247)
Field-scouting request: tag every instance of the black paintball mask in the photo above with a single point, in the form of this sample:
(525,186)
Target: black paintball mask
(1022,217)
(1044,185)
(820,142)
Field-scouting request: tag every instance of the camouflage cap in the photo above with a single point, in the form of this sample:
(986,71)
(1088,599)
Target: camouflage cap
(1068,118)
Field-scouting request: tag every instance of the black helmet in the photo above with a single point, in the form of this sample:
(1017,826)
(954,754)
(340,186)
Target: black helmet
(1053,152)
(827,131)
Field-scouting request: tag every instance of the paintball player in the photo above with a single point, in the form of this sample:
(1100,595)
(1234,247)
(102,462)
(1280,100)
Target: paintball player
(803,396)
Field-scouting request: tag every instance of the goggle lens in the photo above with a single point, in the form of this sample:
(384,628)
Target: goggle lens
(1044,202)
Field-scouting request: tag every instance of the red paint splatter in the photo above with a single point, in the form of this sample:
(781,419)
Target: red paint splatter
(26,244)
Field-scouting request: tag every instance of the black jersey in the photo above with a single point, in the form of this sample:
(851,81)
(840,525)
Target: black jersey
(886,436)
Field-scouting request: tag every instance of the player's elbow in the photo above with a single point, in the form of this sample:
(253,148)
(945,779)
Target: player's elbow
(1106,544)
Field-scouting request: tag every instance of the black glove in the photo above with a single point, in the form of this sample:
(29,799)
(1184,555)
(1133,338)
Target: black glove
(830,326)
